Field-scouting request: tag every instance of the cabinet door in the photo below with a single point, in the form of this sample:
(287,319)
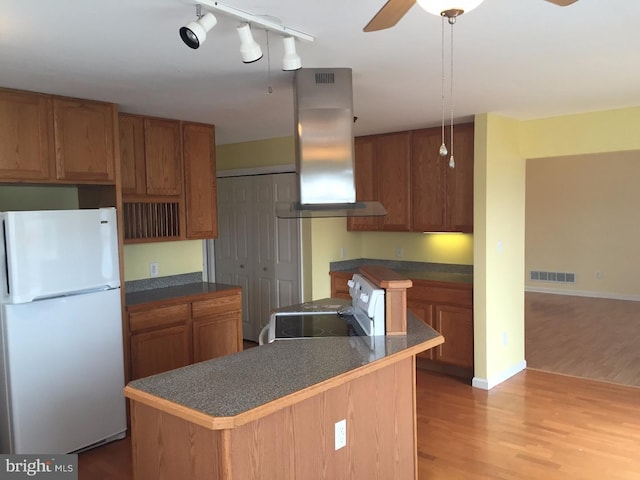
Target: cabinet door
(428,181)
(217,327)
(460,181)
(84,140)
(339,287)
(200,180)
(425,312)
(456,326)
(132,167)
(26,136)
(163,154)
(392,167)
(366,189)
(216,336)
(160,350)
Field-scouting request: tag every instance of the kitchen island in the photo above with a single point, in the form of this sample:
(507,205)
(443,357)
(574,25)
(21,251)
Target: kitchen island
(270,412)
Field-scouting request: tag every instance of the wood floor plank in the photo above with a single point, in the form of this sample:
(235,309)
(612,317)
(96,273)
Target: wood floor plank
(586,337)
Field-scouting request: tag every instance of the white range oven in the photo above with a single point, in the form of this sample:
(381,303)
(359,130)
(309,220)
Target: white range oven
(364,316)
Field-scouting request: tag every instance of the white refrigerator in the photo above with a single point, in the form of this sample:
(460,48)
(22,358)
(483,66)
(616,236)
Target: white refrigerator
(62,372)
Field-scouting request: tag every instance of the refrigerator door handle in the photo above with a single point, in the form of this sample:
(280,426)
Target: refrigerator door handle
(75,292)
(4,266)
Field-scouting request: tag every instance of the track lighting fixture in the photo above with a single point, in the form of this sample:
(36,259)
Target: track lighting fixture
(290,60)
(250,51)
(195,33)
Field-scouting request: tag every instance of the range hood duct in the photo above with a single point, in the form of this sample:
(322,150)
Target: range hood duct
(323,114)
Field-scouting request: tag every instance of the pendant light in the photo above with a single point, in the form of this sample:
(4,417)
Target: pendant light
(451,9)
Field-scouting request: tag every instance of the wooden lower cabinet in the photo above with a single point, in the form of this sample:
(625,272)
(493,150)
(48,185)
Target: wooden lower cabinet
(165,337)
(159,350)
(448,308)
(339,287)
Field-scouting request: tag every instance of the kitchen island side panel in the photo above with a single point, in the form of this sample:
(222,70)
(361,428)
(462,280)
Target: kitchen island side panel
(294,442)
(298,441)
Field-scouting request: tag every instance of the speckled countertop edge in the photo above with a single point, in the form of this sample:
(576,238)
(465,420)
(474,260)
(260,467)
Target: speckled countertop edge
(235,384)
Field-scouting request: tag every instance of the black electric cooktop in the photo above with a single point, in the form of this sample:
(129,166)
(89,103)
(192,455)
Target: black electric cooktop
(316,325)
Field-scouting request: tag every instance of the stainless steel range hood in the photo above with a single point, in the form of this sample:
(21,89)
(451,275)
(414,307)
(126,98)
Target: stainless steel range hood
(323,114)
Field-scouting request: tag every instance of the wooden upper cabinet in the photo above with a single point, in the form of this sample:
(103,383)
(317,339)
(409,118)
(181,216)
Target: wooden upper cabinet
(442,197)
(132,159)
(26,136)
(428,181)
(460,181)
(200,180)
(393,169)
(366,188)
(163,153)
(84,140)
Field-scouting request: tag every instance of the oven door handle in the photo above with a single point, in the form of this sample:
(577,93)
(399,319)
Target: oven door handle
(263,338)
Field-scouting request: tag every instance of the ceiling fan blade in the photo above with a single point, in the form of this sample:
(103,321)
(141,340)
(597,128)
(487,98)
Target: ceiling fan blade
(562,3)
(389,15)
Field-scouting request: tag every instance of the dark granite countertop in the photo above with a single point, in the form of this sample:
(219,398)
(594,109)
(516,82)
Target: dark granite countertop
(239,383)
(186,291)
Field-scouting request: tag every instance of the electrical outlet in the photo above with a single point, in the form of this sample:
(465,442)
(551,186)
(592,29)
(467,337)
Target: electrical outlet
(341,434)
(399,252)
(153,269)
(343,253)
(504,338)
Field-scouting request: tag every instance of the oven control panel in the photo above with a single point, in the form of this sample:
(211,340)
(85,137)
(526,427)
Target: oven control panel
(368,300)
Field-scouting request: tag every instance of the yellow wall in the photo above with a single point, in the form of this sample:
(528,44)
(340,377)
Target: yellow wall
(498,278)
(173,258)
(499,196)
(260,153)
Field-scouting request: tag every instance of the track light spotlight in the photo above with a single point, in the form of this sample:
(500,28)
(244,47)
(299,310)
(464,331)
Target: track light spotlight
(290,60)
(250,51)
(195,33)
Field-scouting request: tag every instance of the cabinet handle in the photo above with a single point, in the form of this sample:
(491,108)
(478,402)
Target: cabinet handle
(241,266)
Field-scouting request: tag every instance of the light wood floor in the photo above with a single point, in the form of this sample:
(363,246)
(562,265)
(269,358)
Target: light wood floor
(534,426)
(593,338)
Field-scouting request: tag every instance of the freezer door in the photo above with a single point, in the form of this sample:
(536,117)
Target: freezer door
(50,253)
(64,373)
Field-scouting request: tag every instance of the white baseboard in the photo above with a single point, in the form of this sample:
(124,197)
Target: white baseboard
(583,293)
(489,383)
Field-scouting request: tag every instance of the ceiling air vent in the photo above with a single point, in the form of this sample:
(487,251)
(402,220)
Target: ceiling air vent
(325,78)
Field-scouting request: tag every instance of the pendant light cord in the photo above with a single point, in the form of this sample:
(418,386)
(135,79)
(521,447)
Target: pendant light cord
(442,85)
(451,159)
(269,89)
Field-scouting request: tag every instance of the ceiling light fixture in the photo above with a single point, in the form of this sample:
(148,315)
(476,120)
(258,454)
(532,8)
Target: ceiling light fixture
(451,9)
(194,33)
(290,60)
(250,51)
(440,7)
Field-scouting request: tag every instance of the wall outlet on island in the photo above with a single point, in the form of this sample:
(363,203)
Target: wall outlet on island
(153,269)
(341,434)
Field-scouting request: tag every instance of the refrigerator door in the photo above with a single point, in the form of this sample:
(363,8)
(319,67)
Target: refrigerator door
(50,253)
(64,374)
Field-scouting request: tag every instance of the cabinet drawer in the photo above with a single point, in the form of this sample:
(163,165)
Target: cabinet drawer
(215,306)
(440,294)
(158,317)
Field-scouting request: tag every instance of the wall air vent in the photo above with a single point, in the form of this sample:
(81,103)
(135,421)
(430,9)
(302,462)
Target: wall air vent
(325,78)
(561,277)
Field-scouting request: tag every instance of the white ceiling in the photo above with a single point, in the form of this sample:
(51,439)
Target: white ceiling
(521,58)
